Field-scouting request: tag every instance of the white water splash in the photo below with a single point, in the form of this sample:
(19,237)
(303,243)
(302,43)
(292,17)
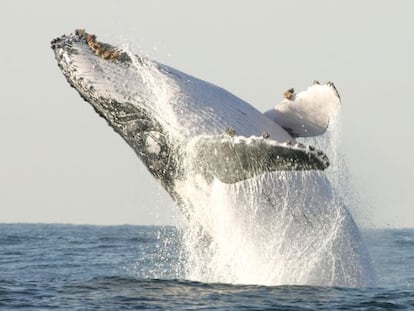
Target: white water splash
(157,90)
(278,228)
(275,229)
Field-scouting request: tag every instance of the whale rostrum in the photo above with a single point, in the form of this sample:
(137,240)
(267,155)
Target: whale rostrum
(161,112)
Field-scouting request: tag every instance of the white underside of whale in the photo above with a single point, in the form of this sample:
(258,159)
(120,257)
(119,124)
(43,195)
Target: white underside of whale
(187,105)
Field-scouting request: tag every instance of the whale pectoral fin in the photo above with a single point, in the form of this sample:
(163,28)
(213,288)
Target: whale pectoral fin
(233,159)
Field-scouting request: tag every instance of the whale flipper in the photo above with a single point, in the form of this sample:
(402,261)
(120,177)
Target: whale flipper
(233,159)
(308,113)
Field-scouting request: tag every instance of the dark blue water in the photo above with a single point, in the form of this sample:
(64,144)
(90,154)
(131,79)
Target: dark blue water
(68,267)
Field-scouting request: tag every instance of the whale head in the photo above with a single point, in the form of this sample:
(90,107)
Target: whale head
(112,80)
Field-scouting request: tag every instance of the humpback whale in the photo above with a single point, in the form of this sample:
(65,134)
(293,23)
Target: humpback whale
(193,135)
(120,87)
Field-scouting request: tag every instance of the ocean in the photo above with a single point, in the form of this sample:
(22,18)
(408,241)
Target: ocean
(80,267)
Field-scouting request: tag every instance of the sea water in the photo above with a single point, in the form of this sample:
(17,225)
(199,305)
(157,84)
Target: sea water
(77,267)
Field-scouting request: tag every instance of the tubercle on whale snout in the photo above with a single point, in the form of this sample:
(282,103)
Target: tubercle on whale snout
(103,50)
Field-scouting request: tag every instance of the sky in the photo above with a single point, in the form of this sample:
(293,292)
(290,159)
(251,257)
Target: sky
(61,163)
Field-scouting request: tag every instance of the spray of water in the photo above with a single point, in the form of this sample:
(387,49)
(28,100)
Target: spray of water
(277,228)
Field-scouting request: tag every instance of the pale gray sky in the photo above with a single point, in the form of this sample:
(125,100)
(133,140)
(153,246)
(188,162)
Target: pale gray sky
(60,162)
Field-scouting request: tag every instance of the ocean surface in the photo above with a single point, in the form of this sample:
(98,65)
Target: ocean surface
(73,267)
